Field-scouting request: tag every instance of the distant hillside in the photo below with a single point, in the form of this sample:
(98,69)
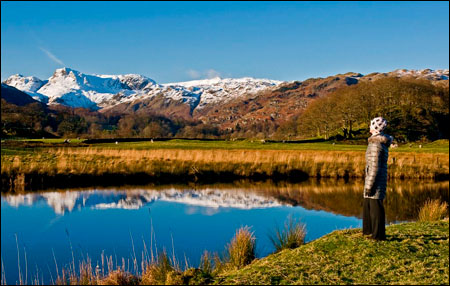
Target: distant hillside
(15,96)
(275,106)
(136,106)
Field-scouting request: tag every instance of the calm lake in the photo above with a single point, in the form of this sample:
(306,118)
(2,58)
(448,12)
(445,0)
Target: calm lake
(186,219)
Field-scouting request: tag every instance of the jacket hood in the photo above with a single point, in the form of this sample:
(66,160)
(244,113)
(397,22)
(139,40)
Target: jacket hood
(381,138)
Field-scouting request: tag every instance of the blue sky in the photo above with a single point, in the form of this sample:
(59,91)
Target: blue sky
(178,41)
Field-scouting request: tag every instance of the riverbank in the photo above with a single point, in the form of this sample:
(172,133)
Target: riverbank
(29,168)
(414,253)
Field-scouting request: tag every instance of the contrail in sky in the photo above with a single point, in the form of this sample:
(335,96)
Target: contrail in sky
(52,56)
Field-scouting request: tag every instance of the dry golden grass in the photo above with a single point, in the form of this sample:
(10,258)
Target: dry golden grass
(240,163)
(158,273)
(241,250)
(433,210)
(119,277)
(317,162)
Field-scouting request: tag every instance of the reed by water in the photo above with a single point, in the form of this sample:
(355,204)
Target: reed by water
(28,170)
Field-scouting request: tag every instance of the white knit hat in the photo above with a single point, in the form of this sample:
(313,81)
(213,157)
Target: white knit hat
(378,124)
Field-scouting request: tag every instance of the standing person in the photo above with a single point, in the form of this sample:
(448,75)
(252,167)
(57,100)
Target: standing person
(376,179)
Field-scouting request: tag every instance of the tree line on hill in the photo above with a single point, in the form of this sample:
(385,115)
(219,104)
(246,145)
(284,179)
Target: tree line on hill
(415,109)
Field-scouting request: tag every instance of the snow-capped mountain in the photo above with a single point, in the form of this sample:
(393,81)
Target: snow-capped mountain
(132,81)
(222,90)
(73,88)
(29,85)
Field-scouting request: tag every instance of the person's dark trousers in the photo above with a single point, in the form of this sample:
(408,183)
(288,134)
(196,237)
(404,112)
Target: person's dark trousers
(374,219)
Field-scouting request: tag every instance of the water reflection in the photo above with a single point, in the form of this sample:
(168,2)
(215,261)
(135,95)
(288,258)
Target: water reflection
(68,201)
(403,201)
(191,218)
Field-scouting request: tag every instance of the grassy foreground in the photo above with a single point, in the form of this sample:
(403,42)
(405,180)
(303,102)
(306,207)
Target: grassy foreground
(414,253)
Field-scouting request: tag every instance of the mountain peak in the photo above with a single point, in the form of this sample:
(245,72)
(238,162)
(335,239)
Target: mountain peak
(28,84)
(65,71)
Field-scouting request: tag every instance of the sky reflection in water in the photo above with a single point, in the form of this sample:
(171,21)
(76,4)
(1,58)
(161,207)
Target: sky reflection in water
(197,218)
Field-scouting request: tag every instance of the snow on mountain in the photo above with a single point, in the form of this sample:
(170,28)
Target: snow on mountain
(424,73)
(29,85)
(133,81)
(135,199)
(73,88)
(222,90)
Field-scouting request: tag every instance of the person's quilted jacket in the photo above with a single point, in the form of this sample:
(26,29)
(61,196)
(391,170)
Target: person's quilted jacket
(376,166)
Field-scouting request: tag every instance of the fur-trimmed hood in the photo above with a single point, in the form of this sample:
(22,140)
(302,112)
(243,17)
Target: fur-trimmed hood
(381,138)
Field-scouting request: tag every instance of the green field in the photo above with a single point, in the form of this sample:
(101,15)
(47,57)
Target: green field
(440,146)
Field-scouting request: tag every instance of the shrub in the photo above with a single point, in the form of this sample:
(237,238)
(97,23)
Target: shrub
(433,210)
(292,235)
(241,249)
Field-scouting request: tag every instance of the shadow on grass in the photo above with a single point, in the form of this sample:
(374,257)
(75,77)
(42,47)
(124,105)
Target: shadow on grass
(425,237)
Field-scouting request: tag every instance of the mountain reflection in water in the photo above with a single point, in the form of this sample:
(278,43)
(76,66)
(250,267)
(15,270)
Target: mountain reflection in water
(64,201)
(404,198)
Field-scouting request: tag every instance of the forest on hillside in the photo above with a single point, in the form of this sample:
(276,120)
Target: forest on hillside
(415,110)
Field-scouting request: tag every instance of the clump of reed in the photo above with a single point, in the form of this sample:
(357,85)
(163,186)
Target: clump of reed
(165,272)
(241,251)
(433,210)
(161,271)
(292,235)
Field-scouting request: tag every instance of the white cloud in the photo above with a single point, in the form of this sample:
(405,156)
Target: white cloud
(211,73)
(52,56)
(193,74)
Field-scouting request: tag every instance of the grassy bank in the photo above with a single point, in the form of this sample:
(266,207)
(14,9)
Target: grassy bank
(40,167)
(414,253)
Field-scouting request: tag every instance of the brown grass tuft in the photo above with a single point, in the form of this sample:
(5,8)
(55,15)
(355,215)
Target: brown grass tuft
(292,235)
(157,273)
(241,249)
(433,210)
(119,277)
